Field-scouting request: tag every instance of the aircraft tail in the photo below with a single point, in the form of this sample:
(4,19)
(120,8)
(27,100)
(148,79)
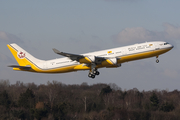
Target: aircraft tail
(22,57)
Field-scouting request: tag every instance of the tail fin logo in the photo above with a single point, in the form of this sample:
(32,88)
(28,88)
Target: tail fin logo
(21,55)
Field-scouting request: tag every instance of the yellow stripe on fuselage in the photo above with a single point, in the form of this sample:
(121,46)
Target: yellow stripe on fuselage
(142,55)
(126,58)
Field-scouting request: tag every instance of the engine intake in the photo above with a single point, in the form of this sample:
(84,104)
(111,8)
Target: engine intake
(113,62)
(87,59)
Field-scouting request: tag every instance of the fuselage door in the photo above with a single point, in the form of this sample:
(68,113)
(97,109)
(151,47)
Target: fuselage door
(156,46)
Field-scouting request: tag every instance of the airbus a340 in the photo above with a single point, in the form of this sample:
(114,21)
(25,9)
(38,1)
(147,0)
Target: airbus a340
(110,58)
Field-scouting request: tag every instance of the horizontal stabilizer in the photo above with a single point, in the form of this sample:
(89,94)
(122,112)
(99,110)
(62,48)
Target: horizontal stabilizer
(28,67)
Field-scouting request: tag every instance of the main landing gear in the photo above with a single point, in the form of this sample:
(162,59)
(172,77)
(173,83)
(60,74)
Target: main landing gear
(157,60)
(93,72)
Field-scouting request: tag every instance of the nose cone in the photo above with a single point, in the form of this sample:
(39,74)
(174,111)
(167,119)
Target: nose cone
(171,46)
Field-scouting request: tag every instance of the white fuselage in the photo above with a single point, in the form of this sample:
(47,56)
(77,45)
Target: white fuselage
(89,61)
(149,47)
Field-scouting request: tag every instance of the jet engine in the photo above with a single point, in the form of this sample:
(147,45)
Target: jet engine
(110,62)
(88,59)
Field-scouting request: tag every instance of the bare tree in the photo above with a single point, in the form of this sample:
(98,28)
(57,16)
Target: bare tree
(52,90)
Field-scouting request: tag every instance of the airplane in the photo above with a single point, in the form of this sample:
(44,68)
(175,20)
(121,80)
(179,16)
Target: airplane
(110,58)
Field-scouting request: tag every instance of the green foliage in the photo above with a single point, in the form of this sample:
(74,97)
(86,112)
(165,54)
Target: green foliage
(154,102)
(60,111)
(106,90)
(95,106)
(167,107)
(139,115)
(26,99)
(39,113)
(84,102)
(123,94)
(4,99)
(19,114)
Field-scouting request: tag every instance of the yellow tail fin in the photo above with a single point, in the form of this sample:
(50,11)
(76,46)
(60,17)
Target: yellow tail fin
(18,56)
(24,58)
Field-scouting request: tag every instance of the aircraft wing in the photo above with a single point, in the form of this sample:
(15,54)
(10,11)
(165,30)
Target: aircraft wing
(69,55)
(77,57)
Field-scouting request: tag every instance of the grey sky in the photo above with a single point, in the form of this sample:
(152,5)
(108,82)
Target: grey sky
(86,26)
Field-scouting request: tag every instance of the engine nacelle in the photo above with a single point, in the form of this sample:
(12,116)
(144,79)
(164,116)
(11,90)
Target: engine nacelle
(88,59)
(110,62)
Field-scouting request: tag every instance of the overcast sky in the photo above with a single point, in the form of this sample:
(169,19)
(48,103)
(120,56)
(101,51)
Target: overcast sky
(80,26)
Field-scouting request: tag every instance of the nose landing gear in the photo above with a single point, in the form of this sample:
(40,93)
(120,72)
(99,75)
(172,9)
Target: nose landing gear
(157,60)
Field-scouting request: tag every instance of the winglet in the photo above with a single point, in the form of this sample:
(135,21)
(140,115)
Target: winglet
(56,51)
(62,53)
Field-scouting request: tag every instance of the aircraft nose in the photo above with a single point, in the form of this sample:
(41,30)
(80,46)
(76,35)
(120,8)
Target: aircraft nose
(171,46)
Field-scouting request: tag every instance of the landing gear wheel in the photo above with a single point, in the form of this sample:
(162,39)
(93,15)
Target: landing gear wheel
(97,73)
(157,61)
(92,76)
(93,71)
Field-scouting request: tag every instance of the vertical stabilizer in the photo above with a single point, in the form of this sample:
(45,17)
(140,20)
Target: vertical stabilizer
(22,57)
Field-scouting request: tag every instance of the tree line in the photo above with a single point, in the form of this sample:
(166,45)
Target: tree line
(58,101)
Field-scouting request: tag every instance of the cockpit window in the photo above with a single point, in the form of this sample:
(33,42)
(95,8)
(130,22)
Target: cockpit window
(166,43)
